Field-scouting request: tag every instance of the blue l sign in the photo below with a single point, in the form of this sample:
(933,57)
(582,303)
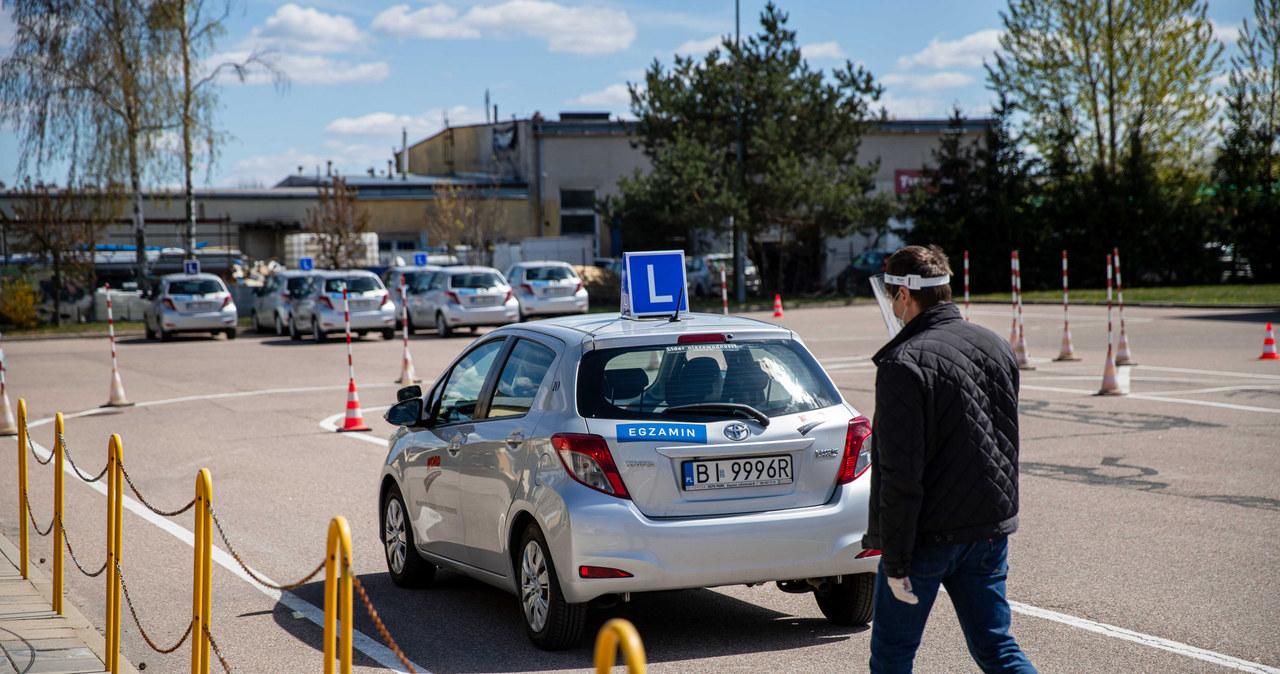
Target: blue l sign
(191,266)
(419,259)
(306,264)
(654,283)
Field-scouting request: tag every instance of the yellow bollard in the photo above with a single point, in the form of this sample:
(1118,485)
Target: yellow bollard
(201,574)
(60,454)
(25,543)
(115,511)
(618,632)
(337,595)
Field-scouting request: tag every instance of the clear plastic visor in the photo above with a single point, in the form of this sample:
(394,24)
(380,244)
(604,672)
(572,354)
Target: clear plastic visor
(885,301)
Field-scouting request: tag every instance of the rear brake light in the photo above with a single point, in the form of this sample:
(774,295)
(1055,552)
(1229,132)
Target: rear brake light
(506,299)
(168,303)
(857,451)
(386,299)
(601,572)
(588,461)
(225,301)
(575,290)
(453,297)
(528,289)
(285,297)
(326,301)
(700,339)
(867,553)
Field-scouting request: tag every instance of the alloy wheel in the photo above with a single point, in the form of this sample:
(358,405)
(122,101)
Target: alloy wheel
(535,586)
(393,535)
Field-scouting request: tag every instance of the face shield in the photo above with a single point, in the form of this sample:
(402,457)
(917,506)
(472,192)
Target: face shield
(893,322)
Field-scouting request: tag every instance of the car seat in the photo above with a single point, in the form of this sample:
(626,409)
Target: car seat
(696,382)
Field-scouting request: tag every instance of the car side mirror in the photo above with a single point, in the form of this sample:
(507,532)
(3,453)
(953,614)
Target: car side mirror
(405,412)
(408,393)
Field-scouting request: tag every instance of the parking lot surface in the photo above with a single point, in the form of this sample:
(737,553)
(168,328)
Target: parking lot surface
(1149,534)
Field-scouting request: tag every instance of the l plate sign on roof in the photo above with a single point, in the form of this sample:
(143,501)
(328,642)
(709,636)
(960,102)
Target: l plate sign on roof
(653,282)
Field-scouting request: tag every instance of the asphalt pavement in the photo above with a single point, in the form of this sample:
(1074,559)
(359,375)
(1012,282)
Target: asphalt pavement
(1149,538)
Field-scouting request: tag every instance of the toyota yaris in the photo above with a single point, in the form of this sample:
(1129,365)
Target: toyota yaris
(591,457)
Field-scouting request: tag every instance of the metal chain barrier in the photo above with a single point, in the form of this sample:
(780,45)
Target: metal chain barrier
(377,622)
(66,451)
(150,507)
(67,539)
(261,581)
(209,635)
(32,515)
(32,447)
(124,586)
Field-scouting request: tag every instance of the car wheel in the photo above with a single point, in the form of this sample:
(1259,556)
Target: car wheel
(520,316)
(257,327)
(231,333)
(409,319)
(388,333)
(165,335)
(316,332)
(848,602)
(293,330)
(552,623)
(407,569)
(279,327)
(442,326)
(151,334)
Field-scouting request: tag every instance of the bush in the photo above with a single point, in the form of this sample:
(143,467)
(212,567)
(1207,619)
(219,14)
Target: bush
(18,301)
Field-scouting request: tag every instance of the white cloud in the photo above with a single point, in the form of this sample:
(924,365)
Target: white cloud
(612,96)
(389,124)
(7,30)
(305,29)
(635,75)
(928,82)
(307,69)
(967,52)
(347,160)
(1225,33)
(698,48)
(914,108)
(822,50)
(578,30)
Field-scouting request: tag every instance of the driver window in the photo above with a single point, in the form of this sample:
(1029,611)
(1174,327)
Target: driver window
(520,379)
(437,282)
(461,392)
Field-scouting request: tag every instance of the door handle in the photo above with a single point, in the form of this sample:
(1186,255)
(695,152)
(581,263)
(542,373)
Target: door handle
(455,445)
(515,439)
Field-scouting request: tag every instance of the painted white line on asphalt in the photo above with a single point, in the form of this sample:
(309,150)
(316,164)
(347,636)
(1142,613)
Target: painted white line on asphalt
(840,358)
(1242,387)
(1075,318)
(359,640)
(1157,398)
(1143,639)
(849,366)
(1054,389)
(1247,375)
(330,423)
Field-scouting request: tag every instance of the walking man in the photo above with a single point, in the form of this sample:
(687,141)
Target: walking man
(944,471)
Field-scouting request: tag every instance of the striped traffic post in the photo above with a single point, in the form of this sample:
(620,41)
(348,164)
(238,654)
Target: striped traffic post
(1020,349)
(116,397)
(407,375)
(1122,348)
(1110,381)
(1068,352)
(966,285)
(724,293)
(8,425)
(354,420)
(1013,297)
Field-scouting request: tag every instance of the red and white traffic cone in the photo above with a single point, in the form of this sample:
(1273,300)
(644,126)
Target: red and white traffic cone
(407,375)
(9,426)
(115,398)
(355,419)
(1123,357)
(1068,352)
(1013,297)
(777,306)
(1110,381)
(1268,347)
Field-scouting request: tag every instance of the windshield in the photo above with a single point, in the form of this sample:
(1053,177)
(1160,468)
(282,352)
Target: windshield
(297,283)
(549,274)
(776,377)
(355,284)
(479,279)
(200,287)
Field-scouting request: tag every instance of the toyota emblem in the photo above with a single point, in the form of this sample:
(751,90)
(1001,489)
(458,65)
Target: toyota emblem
(737,431)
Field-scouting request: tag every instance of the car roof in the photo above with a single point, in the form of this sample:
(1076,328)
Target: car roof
(292,273)
(542,263)
(613,330)
(414,267)
(340,273)
(190,277)
(468,269)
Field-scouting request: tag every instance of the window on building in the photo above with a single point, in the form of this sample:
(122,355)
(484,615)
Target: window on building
(577,212)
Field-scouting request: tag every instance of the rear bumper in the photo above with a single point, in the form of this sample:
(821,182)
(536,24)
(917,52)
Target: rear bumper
(204,321)
(589,528)
(572,304)
(501,314)
(333,321)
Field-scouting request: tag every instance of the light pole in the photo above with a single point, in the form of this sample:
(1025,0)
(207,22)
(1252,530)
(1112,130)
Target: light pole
(739,254)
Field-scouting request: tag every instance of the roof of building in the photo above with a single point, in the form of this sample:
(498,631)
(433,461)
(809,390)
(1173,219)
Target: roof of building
(415,186)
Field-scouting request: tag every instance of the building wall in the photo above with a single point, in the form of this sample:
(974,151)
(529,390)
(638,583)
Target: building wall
(579,162)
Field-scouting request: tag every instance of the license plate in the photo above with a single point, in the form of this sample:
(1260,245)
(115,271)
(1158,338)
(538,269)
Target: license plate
(198,306)
(756,471)
(483,301)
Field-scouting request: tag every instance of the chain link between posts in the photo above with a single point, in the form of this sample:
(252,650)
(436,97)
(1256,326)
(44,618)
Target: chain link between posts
(67,540)
(209,635)
(129,601)
(162,513)
(66,451)
(32,515)
(31,446)
(377,622)
(259,579)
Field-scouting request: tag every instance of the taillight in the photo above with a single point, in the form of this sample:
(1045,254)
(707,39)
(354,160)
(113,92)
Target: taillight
(857,451)
(386,299)
(324,299)
(867,553)
(225,301)
(453,297)
(575,290)
(528,289)
(588,461)
(506,299)
(169,304)
(285,297)
(700,339)
(601,572)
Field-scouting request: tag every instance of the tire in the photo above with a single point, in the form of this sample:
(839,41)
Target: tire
(151,334)
(257,327)
(388,333)
(849,602)
(442,327)
(165,336)
(362,333)
(316,332)
(279,326)
(552,623)
(231,333)
(407,569)
(293,331)
(412,328)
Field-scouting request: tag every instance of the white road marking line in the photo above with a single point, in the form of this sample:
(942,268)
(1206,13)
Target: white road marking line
(1147,396)
(1242,387)
(849,366)
(359,640)
(839,358)
(330,423)
(1054,389)
(1143,639)
(1247,375)
(1074,318)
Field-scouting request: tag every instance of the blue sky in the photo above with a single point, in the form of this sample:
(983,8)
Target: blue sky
(360,71)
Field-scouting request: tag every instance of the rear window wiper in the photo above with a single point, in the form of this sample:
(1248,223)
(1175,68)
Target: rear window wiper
(730,408)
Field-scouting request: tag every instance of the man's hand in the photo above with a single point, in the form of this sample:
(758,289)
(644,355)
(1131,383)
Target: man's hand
(901,588)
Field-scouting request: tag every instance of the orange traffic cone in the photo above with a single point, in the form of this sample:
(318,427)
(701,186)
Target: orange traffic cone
(1013,333)
(8,426)
(116,397)
(1068,352)
(1268,347)
(1110,380)
(1020,352)
(777,306)
(407,375)
(354,420)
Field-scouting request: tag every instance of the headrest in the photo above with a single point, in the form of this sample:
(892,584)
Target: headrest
(625,383)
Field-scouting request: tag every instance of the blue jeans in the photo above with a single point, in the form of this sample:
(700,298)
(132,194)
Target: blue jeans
(974,575)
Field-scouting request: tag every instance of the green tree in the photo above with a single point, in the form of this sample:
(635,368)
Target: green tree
(338,223)
(799,130)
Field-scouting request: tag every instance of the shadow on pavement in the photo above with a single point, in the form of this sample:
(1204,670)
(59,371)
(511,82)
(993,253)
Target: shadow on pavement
(1257,316)
(462,625)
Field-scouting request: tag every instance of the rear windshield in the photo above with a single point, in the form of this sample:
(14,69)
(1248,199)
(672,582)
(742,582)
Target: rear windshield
(549,274)
(479,279)
(355,284)
(297,283)
(414,279)
(200,287)
(776,377)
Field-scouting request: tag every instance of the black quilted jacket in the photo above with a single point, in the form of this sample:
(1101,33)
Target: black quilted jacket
(944,446)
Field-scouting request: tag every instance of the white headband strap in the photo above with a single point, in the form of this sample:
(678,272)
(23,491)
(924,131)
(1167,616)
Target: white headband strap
(914,282)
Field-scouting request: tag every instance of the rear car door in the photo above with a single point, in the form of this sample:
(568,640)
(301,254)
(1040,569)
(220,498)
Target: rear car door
(497,454)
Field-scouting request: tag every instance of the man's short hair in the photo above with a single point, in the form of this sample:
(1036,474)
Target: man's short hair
(925,262)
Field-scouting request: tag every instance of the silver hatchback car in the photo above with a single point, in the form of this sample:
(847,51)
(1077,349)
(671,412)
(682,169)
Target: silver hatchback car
(547,288)
(591,457)
(318,308)
(458,297)
(189,303)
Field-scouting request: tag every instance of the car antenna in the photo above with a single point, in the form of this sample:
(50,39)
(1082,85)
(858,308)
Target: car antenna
(675,317)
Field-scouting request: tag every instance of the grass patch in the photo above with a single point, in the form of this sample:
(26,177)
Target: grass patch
(96,328)
(1209,295)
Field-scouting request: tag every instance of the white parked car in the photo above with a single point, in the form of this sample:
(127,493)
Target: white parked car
(590,457)
(189,303)
(318,309)
(547,288)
